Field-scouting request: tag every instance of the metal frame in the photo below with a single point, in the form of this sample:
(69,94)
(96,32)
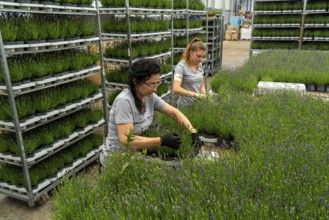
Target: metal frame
(304,13)
(29,194)
(128,11)
(186,12)
(18,132)
(100,48)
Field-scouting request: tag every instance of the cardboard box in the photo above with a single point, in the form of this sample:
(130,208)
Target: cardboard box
(233,28)
(246,26)
(228,35)
(235,36)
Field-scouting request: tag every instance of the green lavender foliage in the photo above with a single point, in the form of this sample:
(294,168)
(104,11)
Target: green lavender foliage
(46,134)
(48,167)
(43,100)
(281,66)
(279,169)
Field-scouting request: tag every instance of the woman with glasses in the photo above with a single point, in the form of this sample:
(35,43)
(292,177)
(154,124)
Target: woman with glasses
(133,111)
(188,74)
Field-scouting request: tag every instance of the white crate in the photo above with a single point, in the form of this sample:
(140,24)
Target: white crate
(245,33)
(269,87)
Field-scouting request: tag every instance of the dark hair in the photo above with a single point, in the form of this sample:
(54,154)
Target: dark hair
(195,45)
(140,71)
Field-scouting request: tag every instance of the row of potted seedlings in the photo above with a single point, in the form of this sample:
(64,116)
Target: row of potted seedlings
(33,28)
(193,4)
(141,48)
(46,134)
(56,2)
(288,45)
(317,5)
(277,19)
(274,45)
(317,20)
(44,100)
(137,25)
(281,33)
(322,46)
(34,66)
(290,6)
(51,165)
(284,6)
(167,4)
(316,34)
(180,23)
(138,3)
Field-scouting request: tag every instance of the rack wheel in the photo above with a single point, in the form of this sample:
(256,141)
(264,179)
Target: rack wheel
(43,200)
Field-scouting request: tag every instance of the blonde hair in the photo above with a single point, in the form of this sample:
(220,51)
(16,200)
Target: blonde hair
(195,45)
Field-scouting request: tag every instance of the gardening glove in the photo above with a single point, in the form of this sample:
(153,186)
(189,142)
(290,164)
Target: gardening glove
(200,95)
(196,141)
(171,140)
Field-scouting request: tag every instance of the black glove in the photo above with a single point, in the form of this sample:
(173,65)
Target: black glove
(196,141)
(171,140)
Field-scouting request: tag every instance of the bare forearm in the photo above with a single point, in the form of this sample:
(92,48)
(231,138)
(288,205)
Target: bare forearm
(140,142)
(183,120)
(183,92)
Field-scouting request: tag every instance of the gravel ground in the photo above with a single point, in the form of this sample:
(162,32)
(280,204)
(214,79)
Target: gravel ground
(235,53)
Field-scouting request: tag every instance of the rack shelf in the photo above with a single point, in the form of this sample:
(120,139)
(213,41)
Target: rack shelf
(48,184)
(311,34)
(45,8)
(28,192)
(49,46)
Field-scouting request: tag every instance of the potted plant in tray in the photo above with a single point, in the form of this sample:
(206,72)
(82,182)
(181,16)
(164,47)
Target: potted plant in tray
(8,29)
(86,27)
(53,30)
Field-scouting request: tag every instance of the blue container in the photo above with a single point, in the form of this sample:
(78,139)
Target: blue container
(235,21)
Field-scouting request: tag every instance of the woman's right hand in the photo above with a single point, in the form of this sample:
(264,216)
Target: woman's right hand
(200,95)
(171,140)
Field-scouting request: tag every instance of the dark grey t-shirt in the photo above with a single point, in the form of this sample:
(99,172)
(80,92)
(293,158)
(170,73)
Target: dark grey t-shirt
(191,81)
(124,111)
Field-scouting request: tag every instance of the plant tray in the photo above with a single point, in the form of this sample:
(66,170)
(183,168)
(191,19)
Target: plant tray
(123,11)
(44,186)
(48,46)
(35,121)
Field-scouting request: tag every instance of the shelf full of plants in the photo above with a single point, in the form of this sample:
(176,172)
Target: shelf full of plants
(81,7)
(51,110)
(214,27)
(132,30)
(277,25)
(186,25)
(316,26)
(280,24)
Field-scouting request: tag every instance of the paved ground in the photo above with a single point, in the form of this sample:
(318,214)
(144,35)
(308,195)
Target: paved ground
(235,53)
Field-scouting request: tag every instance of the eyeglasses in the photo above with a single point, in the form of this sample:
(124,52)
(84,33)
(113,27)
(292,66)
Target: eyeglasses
(152,85)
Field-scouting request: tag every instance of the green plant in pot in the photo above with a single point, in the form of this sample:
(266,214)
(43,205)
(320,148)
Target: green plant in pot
(53,29)
(71,28)
(16,70)
(8,29)
(86,27)
(112,96)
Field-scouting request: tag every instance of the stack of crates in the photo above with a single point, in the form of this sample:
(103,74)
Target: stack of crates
(232,33)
